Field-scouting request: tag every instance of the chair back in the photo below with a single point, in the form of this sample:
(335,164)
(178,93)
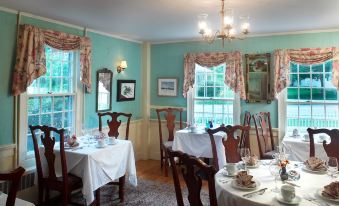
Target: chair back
(245,136)
(263,129)
(114,123)
(331,149)
(169,116)
(14,177)
(48,175)
(189,169)
(231,143)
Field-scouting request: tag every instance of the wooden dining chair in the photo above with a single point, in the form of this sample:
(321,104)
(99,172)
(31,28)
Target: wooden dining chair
(245,136)
(331,149)
(47,179)
(169,116)
(189,167)
(14,177)
(263,129)
(115,123)
(230,143)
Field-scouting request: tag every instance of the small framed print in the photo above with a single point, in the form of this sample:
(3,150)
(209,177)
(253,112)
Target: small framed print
(167,87)
(126,90)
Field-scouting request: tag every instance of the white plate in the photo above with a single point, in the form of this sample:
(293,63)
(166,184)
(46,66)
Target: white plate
(112,143)
(100,146)
(304,140)
(295,201)
(253,166)
(319,193)
(225,173)
(236,186)
(306,169)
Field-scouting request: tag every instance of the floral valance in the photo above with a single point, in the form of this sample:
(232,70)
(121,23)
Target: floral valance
(234,77)
(31,62)
(302,56)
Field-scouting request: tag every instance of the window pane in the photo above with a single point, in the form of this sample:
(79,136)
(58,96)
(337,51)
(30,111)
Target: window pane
(198,106)
(210,80)
(332,112)
(317,94)
(58,104)
(57,120)
(294,67)
(292,94)
(68,119)
(229,93)
(66,70)
(46,119)
(56,68)
(68,103)
(198,118)
(33,88)
(328,80)
(304,68)
(66,85)
(30,146)
(293,80)
(219,92)
(33,105)
(317,68)
(318,111)
(305,94)
(219,80)
(328,66)
(304,80)
(56,85)
(208,106)
(200,92)
(45,85)
(317,80)
(220,69)
(218,120)
(33,120)
(331,94)
(46,105)
(210,92)
(200,79)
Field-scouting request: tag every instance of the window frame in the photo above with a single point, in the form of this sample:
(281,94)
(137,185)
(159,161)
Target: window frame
(27,159)
(191,98)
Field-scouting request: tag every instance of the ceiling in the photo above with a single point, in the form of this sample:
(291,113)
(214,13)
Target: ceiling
(176,20)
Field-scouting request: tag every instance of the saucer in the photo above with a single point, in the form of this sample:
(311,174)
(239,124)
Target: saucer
(306,169)
(112,143)
(319,193)
(295,201)
(100,146)
(225,173)
(236,186)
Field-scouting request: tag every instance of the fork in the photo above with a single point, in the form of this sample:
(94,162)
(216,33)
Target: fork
(315,201)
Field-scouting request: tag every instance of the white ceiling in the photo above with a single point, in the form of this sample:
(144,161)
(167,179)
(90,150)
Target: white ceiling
(173,20)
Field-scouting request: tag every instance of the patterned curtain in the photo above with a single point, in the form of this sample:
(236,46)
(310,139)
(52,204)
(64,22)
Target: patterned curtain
(302,56)
(30,60)
(234,77)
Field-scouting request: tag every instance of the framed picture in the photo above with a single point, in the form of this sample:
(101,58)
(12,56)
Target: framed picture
(104,90)
(167,87)
(126,90)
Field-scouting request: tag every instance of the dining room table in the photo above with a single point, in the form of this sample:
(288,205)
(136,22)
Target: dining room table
(198,143)
(97,164)
(18,201)
(308,188)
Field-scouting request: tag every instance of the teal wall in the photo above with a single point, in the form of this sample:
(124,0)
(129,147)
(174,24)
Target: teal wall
(106,53)
(167,61)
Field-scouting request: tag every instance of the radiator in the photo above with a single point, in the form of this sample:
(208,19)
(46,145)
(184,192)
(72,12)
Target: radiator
(27,180)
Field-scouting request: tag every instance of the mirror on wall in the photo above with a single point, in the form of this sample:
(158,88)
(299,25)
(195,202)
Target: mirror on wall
(104,90)
(258,77)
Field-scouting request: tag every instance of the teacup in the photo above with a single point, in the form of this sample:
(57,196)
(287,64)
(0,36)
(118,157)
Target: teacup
(231,168)
(287,193)
(295,132)
(101,143)
(193,129)
(322,137)
(306,137)
(111,140)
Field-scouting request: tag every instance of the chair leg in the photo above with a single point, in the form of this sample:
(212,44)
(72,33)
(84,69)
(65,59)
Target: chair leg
(41,195)
(97,197)
(47,195)
(64,198)
(166,164)
(122,188)
(161,158)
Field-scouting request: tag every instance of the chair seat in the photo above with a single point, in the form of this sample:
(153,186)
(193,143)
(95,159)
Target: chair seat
(74,182)
(268,155)
(168,144)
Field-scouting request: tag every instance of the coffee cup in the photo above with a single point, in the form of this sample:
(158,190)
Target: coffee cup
(295,132)
(101,143)
(231,168)
(306,137)
(287,193)
(111,140)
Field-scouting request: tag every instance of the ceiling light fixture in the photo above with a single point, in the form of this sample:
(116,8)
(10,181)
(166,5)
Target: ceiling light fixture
(227,30)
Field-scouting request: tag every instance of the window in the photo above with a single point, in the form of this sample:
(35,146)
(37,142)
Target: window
(211,99)
(312,100)
(50,99)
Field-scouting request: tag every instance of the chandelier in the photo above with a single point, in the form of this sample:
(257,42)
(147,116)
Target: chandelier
(227,30)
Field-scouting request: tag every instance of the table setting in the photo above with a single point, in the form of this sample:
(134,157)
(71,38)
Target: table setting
(278,182)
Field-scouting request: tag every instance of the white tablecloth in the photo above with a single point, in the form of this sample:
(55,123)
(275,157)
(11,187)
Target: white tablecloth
(18,202)
(199,144)
(228,195)
(300,150)
(99,166)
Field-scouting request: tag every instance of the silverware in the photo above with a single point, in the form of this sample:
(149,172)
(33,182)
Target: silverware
(258,192)
(315,200)
(290,183)
(76,148)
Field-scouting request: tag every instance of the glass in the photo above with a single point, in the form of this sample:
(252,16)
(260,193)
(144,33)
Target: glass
(245,154)
(275,172)
(293,80)
(332,166)
(292,93)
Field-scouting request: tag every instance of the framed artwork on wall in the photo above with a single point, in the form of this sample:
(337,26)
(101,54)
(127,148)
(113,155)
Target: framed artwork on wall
(167,87)
(126,90)
(104,90)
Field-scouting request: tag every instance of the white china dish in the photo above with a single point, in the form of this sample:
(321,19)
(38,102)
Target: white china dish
(236,186)
(295,201)
(319,193)
(306,169)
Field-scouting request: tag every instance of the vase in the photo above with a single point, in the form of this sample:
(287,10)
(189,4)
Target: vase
(283,174)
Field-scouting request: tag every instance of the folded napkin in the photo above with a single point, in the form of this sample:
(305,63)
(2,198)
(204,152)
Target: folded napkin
(245,180)
(252,161)
(314,163)
(331,190)
(72,144)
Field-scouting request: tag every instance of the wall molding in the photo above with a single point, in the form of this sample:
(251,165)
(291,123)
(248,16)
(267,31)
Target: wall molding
(62,23)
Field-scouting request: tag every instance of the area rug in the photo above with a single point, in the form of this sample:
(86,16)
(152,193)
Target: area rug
(147,193)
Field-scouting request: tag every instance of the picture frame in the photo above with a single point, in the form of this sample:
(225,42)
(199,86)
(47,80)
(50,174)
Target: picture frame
(126,90)
(167,86)
(258,78)
(104,90)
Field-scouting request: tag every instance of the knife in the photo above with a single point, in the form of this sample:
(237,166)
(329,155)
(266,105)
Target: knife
(258,192)
(290,183)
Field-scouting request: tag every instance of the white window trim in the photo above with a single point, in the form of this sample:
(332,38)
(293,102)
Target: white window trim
(190,107)
(282,113)
(28,160)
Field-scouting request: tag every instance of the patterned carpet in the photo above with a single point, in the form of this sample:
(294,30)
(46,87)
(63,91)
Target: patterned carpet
(147,193)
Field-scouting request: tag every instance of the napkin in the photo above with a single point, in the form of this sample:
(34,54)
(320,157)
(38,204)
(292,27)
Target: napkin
(252,161)
(314,163)
(245,180)
(331,190)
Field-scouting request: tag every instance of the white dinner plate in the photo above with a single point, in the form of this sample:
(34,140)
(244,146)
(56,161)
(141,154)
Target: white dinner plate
(253,166)
(100,146)
(319,193)
(295,201)
(236,186)
(306,169)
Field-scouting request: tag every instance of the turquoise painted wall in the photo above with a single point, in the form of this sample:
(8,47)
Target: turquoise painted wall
(167,61)
(106,53)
